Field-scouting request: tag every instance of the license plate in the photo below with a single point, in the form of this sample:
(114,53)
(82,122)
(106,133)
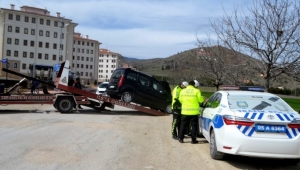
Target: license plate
(111,87)
(270,128)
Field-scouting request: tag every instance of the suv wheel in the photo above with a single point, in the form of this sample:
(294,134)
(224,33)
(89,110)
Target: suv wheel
(127,97)
(168,109)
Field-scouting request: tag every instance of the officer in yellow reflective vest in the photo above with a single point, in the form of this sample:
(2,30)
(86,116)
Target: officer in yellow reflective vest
(176,109)
(190,99)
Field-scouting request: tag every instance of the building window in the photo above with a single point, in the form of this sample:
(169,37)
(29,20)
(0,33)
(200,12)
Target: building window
(40,56)
(88,43)
(82,50)
(24,66)
(42,21)
(8,41)
(9,28)
(62,35)
(55,35)
(17,29)
(106,71)
(78,50)
(87,51)
(32,43)
(92,44)
(46,56)
(86,66)
(86,73)
(55,23)
(77,65)
(10,16)
(82,58)
(91,59)
(32,20)
(26,19)
(106,66)
(18,18)
(8,52)
(54,57)
(47,45)
(91,74)
(54,46)
(61,46)
(16,53)
(60,58)
(78,57)
(48,22)
(81,65)
(16,41)
(81,73)
(91,66)
(32,32)
(78,42)
(40,44)
(25,42)
(91,51)
(15,65)
(24,54)
(47,33)
(31,54)
(87,58)
(25,30)
(41,32)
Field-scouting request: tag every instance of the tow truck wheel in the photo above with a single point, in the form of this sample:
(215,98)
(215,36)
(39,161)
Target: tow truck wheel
(127,97)
(65,105)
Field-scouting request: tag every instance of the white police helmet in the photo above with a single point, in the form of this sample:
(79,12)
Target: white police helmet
(185,83)
(196,83)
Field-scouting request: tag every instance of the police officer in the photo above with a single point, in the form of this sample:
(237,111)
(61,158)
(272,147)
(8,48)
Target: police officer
(190,99)
(176,109)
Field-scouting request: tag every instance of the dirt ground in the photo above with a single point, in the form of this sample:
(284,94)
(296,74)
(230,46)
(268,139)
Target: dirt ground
(39,137)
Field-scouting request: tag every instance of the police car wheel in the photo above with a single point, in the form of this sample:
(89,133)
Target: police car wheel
(168,109)
(214,153)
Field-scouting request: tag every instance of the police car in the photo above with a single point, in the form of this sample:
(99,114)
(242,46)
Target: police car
(250,123)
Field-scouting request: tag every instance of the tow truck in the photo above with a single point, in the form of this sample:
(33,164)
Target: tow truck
(66,102)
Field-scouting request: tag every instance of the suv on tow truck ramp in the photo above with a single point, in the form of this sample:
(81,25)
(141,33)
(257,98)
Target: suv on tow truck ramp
(132,86)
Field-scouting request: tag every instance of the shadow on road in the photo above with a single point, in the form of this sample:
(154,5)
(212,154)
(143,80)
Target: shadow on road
(250,163)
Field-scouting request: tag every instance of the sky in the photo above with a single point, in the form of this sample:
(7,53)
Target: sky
(142,29)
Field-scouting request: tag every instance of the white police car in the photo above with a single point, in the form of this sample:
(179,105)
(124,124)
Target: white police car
(252,124)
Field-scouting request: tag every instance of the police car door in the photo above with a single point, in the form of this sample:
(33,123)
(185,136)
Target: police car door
(209,110)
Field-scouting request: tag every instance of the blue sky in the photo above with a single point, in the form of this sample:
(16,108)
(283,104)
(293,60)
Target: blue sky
(141,29)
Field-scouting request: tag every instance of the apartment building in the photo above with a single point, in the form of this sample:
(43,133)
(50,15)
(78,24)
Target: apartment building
(108,62)
(34,41)
(85,58)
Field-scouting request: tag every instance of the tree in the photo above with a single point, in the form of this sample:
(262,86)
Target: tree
(269,32)
(222,65)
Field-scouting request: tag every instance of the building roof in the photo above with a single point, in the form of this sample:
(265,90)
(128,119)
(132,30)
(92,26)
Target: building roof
(77,36)
(106,51)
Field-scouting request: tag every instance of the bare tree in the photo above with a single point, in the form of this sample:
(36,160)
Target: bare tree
(221,64)
(269,32)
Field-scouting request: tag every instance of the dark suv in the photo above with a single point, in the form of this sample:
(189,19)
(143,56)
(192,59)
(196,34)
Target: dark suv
(132,86)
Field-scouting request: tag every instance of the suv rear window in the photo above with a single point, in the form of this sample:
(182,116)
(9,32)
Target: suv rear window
(117,74)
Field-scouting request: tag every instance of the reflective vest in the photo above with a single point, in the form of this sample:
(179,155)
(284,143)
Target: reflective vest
(190,99)
(175,94)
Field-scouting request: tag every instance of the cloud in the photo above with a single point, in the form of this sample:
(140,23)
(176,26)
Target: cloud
(138,28)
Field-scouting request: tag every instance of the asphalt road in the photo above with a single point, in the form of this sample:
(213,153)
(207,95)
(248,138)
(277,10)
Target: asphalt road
(117,139)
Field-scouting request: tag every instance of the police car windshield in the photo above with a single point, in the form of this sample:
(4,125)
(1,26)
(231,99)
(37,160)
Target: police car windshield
(258,102)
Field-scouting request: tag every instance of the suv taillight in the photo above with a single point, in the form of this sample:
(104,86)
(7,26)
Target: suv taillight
(121,81)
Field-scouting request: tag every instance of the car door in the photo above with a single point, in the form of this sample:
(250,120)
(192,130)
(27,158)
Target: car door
(209,110)
(161,98)
(144,90)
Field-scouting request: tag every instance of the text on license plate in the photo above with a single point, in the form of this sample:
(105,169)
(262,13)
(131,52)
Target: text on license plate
(270,128)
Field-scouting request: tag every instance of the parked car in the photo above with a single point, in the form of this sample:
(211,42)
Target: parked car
(102,88)
(255,124)
(133,86)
